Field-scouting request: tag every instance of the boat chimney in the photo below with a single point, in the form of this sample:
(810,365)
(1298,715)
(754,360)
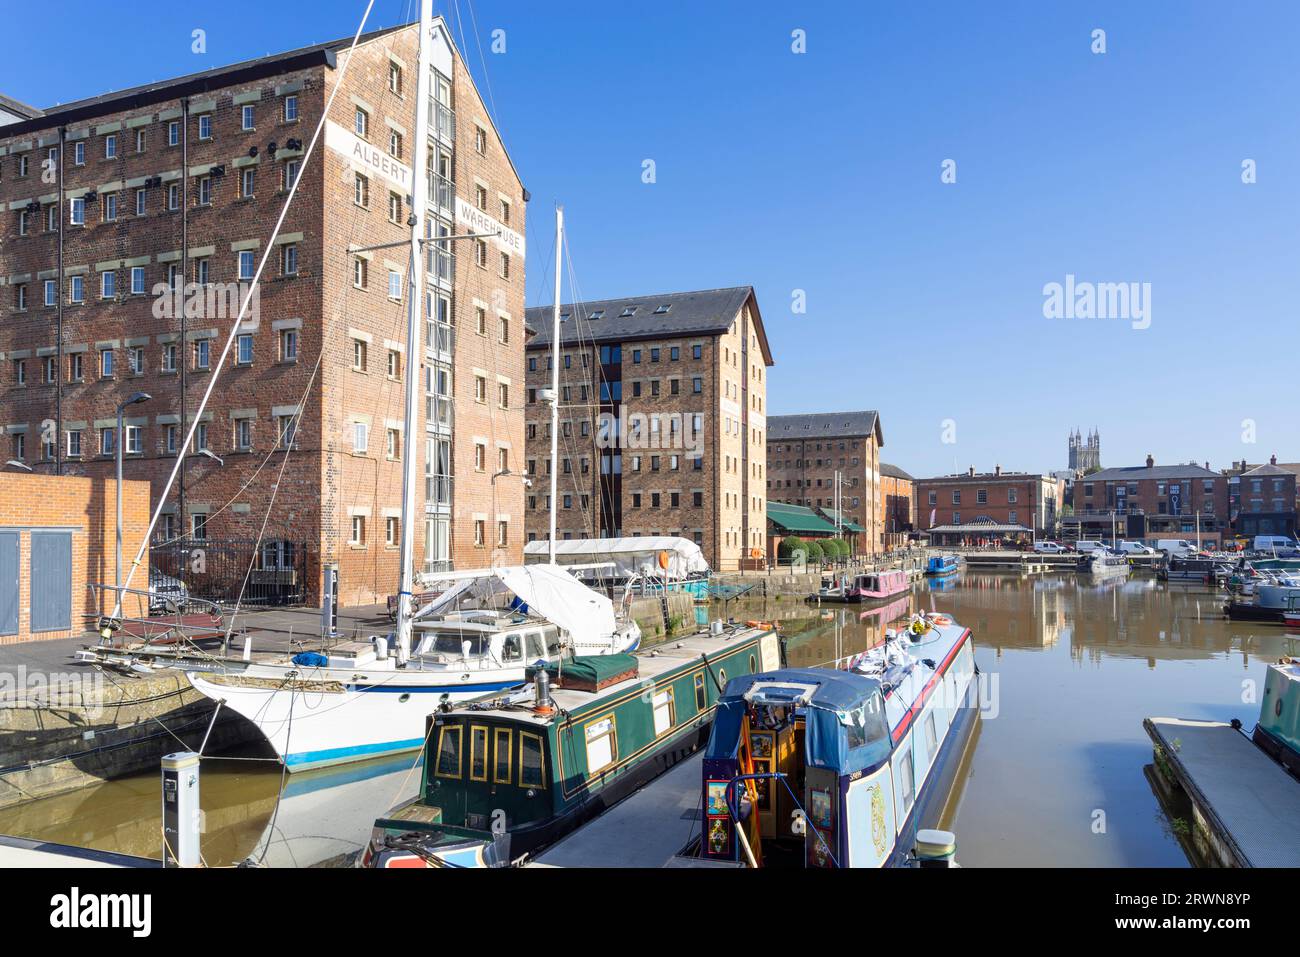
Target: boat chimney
(542,691)
(1151,462)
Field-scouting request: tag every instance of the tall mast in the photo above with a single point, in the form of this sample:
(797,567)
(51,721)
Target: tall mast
(555,372)
(414,303)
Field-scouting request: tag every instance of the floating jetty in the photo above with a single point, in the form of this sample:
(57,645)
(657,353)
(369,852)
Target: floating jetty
(1245,807)
(1026,563)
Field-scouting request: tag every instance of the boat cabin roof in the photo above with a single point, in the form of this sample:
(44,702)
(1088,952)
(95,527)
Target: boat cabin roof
(804,687)
(651,664)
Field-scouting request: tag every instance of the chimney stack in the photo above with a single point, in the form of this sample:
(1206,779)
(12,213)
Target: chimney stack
(997,470)
(971,471)
(1273,459)
(1150,461)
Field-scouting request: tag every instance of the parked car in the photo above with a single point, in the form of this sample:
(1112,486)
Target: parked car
(165,593)
(1135,548)
(1086,546)
(1049,548)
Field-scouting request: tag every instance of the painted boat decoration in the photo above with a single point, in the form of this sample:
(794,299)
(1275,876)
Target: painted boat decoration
(842,768)
(939,565)
(866,586)
(507,775)
(357,700)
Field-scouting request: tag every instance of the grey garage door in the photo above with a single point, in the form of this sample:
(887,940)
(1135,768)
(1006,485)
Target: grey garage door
(8,583)
(51,581)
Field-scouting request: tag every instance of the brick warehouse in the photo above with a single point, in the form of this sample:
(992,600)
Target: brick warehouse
(107,200)
(805,451)
(673,375)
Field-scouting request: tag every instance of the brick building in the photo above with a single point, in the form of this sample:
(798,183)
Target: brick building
(805,451)
(107,203)
(993,504)
(896,500)
(1263,498)
(57,534)
(662,420)
(1150,501)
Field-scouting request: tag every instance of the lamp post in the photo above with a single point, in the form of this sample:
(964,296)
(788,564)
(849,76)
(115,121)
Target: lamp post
(135,399)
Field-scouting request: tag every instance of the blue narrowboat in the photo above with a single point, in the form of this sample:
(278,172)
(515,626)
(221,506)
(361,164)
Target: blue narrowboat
(844,767)
(938,565)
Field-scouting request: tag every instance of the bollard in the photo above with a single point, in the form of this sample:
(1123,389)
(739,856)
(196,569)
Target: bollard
(180,809)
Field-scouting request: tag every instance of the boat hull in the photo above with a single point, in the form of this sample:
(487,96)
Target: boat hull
(1250,611)
(324,718)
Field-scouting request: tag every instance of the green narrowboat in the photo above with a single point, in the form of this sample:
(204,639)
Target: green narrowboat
(508,774)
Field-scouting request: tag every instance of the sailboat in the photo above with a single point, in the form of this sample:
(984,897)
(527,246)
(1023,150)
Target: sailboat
(363,699)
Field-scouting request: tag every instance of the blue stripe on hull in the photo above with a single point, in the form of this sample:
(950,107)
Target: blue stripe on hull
(303,760)
(432,689)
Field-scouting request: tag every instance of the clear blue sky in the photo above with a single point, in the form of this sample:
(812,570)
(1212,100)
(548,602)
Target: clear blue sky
(821,172)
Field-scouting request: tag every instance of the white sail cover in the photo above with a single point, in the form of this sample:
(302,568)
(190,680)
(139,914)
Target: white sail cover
(548,590)
(629,556)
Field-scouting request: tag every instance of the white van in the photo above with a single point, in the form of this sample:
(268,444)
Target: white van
(1087,546)
(1280,545)
(1048,548)
(1176,547)
(1135,548)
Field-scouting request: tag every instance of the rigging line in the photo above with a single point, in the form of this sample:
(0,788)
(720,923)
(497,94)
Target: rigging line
(487,79)
(243,309)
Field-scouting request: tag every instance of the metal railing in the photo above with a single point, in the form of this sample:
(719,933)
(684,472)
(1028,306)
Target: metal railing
(215,570)
(442,122)
(442,194)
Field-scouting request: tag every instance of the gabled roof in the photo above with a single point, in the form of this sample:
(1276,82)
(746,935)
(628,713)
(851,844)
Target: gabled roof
(1136,473)
(704,312)
(823,425)
(1268,468)
(17,107)
(893,471)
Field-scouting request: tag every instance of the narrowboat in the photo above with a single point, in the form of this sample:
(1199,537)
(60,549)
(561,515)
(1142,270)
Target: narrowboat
(831,767)
(939,565)
(1271,604)
(1205,571)
(1277,732)
(506,775)
(866,586)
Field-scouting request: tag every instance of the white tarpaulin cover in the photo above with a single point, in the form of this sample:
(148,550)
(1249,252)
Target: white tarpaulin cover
(548,590)
(628,555)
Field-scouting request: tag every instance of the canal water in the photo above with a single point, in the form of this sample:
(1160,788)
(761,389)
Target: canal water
(1054,775)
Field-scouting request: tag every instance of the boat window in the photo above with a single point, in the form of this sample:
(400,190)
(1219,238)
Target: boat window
(602,744)
(664,711)
(753,664)
(454,645)
(536,647)
(907,781)
(512,648)
(554,647)
(448,751)
(931,736)
(531,770)
(478,759)
(701,698)
(501,756)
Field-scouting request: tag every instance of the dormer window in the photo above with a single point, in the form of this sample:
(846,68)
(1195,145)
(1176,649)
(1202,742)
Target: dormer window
(627,311)
(598,314)
(660,310)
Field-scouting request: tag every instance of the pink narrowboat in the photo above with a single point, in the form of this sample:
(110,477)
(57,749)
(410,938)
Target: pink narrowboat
(866,586)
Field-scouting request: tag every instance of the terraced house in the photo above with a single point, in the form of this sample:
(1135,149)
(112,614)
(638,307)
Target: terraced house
(130,226)
(662,421)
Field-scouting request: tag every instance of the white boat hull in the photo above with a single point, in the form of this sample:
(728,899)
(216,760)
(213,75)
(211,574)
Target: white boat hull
(325,716)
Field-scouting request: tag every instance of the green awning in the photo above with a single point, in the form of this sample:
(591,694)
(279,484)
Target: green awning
(796,518)
(846,524)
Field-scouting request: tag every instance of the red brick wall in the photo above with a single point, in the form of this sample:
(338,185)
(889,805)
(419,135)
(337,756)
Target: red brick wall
(87,507)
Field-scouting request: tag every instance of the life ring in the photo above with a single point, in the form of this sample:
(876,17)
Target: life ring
(663,560)
(940,619)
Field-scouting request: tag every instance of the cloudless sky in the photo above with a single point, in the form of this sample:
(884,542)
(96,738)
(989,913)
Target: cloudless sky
(821,172)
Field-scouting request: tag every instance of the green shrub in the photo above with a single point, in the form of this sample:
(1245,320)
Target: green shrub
(815,553)
(789,546)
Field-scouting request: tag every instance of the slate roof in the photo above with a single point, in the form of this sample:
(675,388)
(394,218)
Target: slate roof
(1136,473)
(823,425)
(893,471)
(1268,468)
(17,107)
(703,312)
